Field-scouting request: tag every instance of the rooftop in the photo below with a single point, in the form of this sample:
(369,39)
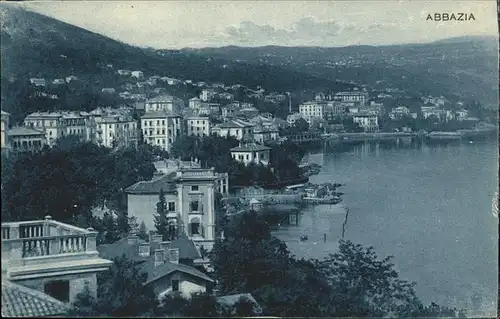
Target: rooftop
(187,249)
(24,131)
(165,182)
(163,98)
(155,273)
(235,124)
(252,147)
(162,114)
(19,301)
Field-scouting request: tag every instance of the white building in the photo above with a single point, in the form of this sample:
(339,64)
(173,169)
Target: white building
(198,126)
(189,194)
(137,74)
(38,82)
(164,103)
(312,109)
(292,118)
(358,97)
(399,112)
(195,103)
(49,122)
(5,133)
(462,114)
(116,131)
(241,130)
(161,128)
(251,153)
(207,94)
(369,122)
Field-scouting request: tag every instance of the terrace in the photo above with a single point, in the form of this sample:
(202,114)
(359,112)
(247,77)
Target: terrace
(30,248)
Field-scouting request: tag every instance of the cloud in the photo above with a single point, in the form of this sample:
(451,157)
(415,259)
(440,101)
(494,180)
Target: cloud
(304,31)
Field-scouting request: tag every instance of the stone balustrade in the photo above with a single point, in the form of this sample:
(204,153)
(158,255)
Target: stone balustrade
(27,242)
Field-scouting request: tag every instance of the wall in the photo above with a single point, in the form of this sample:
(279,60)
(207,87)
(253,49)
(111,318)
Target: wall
(144,207)
(187,286)
(76,283)
(205,196)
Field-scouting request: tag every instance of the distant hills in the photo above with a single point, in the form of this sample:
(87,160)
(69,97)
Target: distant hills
(34,45)
(465,67)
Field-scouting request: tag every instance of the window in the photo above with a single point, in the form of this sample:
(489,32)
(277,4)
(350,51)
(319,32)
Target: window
(175,284)
(162,122)
(163,131)
(158,122)
(194,205)
(261,156)
(248,157)
(171,206)
(195,227)
(58,289)
(109,126)
(194,188)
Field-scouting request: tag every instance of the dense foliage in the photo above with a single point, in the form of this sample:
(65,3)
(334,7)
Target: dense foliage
(68,180)
(351,282)
(213,151)
(120,293)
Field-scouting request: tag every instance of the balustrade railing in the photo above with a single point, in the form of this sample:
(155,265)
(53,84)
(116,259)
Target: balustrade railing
(22,240)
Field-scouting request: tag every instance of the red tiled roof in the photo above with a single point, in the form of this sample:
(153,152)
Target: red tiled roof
(20,301)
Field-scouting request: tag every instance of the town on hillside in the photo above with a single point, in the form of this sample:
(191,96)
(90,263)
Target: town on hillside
(136,193)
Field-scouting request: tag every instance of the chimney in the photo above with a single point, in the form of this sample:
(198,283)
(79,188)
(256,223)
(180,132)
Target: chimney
(144,250)
(165,246)
(133,239)
(173,255)
(156,238)
(159,257)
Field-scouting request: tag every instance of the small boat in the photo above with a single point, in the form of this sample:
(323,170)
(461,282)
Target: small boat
(303,238)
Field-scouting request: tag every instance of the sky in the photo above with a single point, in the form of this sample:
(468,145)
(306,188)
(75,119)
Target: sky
(180,24)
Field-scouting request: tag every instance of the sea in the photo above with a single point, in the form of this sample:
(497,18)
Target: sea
(429,205)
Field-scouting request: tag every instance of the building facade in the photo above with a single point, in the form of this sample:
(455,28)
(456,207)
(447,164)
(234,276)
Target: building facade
(116,131)
(252,153)
(49,122)
(369,122)
(52,257)
(198,126)
(241,130)
(312,110)
(161,128)
(4,139)
(358,97)
(164,103)
(189,194)
(25,139)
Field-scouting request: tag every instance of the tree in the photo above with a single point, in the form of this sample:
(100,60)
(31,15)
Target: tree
(85,304)
(143,232)
(244,307)
(162,224)
(201,305)
(363,285)
(300,126)
(111,232)
(122,293)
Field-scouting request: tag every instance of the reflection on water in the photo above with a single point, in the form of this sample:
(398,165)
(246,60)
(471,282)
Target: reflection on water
(429,205)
